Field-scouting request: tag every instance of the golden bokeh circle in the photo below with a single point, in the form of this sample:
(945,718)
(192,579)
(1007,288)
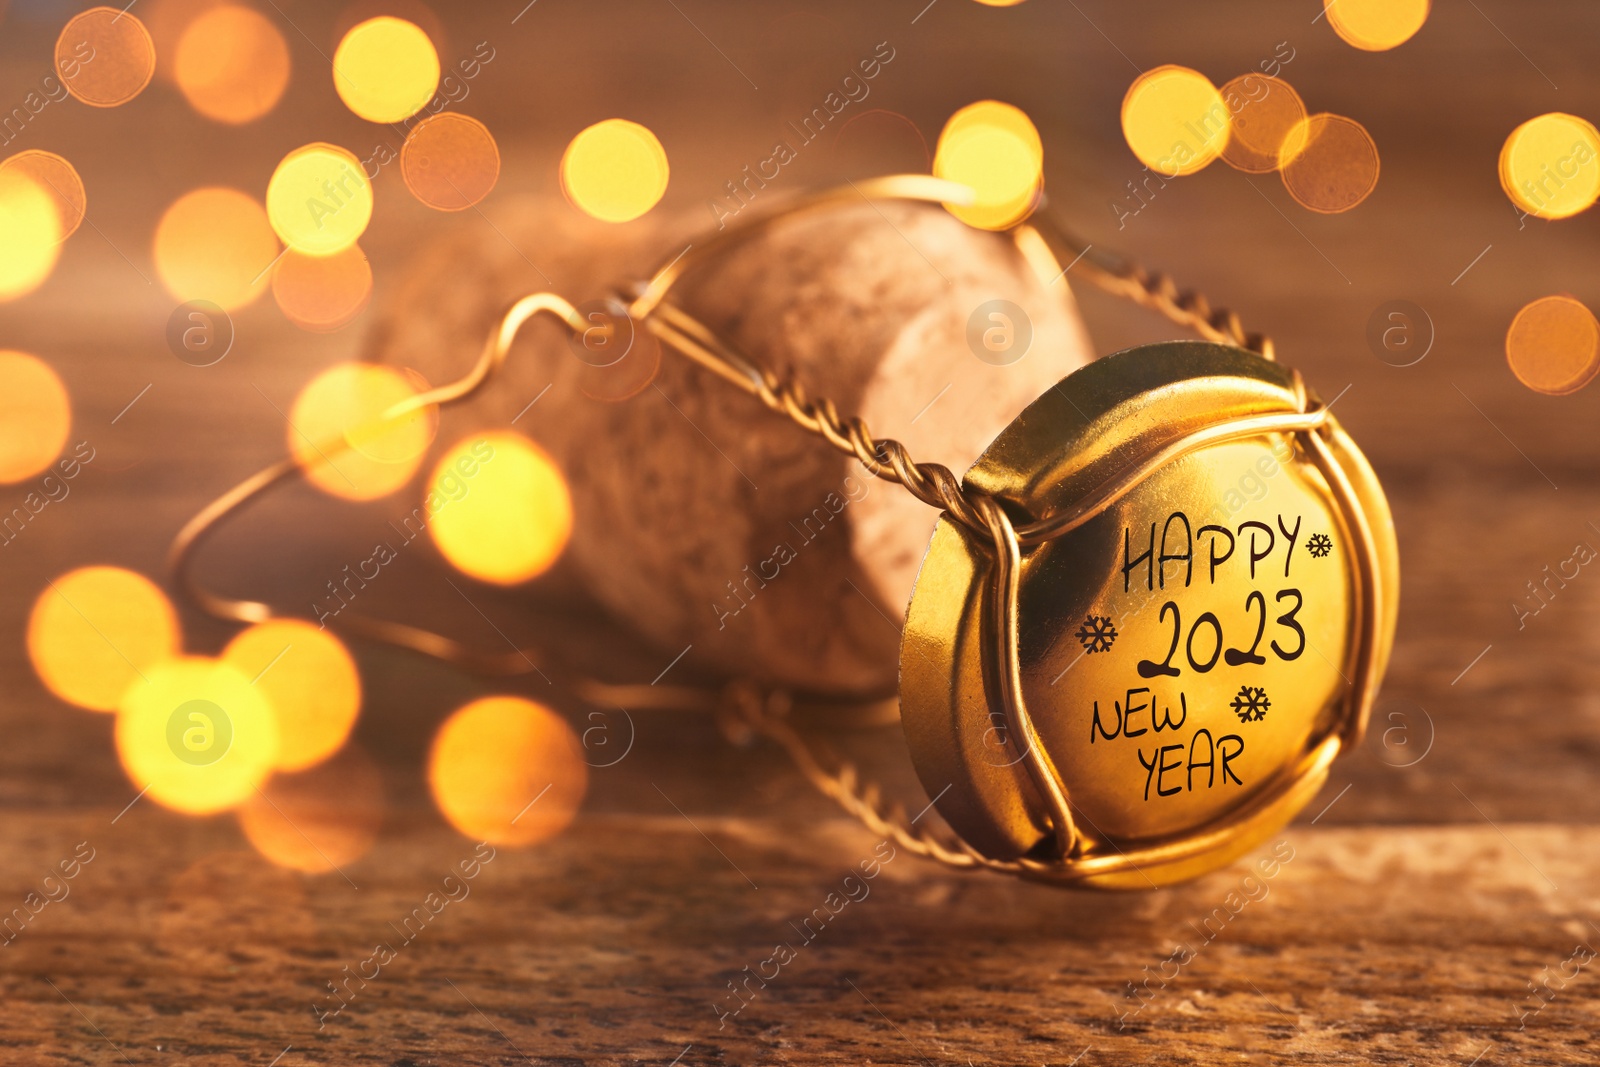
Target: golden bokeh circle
(57,177)
(993,149)
(339,437)
(233,717)
(386,69)
(309,680)
(1329,163)
(232,64)
(1174,120)
(323,293)
(615,170)
(167,20)
(94,630)
(215,244)
(105,56)
(35,416)
(499,508)
(1376,25)
(317,820)
(319,200)
(507,771)
(30,234)
(1550,165)
(450,161)
(1553,345)
(1266,112)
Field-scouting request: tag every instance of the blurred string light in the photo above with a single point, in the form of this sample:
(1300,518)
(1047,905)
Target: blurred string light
(30,234)
(450,161)
(507,771)
(1376,25)
(95,630)
(317,820)
(215,244)
(307,676)
(615,170)
(105,57)
(1175,121)
(167,21)
(196,734)
(59,179)
(35,416)
(1550,165)
(1553,345)
(994,150)
(323,293)
(338,436)
(386,69)
(1329,163)
(1266,110)
(232,64)
(319,200)
(353,13)
(508,514)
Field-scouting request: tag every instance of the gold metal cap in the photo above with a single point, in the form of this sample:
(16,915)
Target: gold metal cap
(1204,595)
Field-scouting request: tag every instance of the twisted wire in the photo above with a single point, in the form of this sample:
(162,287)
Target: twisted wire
(937,486)
(1188,308)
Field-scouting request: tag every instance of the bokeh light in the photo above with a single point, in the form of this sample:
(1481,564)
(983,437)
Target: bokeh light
(57,177)
(93,631)
(1376,25)
(317,820)
(615,170)
(30,234)
(507,771)
(450,161)
(319,199)
(353,13)
(1266,111)
(196,733)
(105,57)
(323,293)
(167,20)
(308,679)
(1549,165)
(1553,345)
(215,244)
(499,506)
(232,64)
(35,416)
(386,69)
(338,436)
(994,150)
(1175,120)
(1329,163)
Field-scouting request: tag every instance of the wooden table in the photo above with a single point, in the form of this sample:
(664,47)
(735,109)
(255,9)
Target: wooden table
(1426,891)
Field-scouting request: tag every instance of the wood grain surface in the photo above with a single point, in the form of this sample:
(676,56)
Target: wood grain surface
(1447,873)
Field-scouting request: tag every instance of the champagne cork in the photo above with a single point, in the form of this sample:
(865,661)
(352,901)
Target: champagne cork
(704,521)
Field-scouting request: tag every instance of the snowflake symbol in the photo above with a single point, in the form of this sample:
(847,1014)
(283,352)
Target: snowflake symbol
(1319,545)
(1251,704)
(1096,633)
